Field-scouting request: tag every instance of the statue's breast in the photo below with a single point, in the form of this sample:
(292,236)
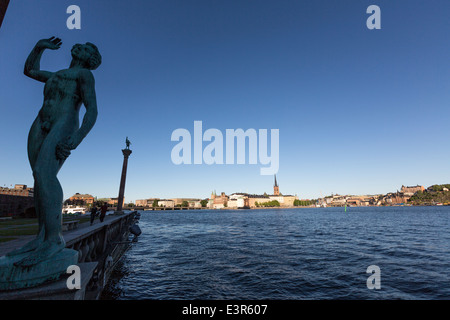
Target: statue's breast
(62,83)
(65,76)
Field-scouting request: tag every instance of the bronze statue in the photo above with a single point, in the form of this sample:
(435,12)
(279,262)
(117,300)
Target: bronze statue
(55,132)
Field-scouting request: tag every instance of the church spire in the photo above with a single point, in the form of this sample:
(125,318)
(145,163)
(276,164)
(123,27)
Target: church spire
(276,189)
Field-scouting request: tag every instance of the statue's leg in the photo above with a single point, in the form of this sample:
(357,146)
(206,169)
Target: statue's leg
(35,139)
(49,200)
(39,216)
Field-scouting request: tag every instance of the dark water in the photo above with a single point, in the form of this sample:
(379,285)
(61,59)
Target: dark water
(287,254)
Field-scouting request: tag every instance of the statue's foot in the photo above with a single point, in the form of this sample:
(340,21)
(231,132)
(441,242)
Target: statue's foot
(43,252)
(29,246)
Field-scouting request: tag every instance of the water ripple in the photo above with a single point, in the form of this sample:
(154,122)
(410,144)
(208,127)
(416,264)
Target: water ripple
(287,254)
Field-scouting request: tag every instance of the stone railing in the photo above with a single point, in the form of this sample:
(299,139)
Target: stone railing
(103,243)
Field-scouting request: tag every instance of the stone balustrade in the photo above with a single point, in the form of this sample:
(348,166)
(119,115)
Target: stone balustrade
(103,243)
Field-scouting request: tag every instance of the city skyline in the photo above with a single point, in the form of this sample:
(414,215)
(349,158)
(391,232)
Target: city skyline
(17,188)
(358,111)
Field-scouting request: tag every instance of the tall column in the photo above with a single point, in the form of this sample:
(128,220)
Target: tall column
(126,154)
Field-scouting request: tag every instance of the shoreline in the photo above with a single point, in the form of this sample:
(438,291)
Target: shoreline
(293,207)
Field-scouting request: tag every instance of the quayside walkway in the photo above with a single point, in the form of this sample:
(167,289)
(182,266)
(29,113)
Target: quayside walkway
(68,235)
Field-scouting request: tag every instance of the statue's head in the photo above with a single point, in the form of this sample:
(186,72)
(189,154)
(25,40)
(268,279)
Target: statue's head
(88,53)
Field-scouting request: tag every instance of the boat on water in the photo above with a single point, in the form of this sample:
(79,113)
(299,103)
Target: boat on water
(74,210)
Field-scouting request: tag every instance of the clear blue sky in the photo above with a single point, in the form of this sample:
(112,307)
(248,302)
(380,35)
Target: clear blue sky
(359,111)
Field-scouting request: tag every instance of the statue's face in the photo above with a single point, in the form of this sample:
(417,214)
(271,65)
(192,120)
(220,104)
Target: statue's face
(82,52)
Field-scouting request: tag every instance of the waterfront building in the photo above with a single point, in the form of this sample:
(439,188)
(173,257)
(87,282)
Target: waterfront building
(396,198)
(238,200)
(288,200)
(12,205)
(146,202)
(141,203)
(113,202)
(18,190)
(195,204)
(218,202)
(89,200)
(336,200)
(166,203)
(169,203)
(179,201)
(233,204)
(411,190)
(16,201)
(246,200)
(84,199)
(360,201)
(284,200)
(254,199)
(278,198)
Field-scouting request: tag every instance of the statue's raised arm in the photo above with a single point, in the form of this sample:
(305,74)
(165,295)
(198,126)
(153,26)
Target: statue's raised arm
(32,65)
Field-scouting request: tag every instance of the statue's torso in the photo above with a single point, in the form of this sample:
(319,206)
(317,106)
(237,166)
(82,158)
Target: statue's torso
(61,96)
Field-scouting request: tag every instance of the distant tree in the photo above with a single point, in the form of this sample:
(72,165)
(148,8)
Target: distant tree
(77,202)
(440,187)
(204,203)
(304,203)
(155,203)
(185,204)
(273,203)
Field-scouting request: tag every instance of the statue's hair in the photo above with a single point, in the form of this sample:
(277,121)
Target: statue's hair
(96,59)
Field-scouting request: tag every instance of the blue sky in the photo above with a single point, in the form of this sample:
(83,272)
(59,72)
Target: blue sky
(359,111)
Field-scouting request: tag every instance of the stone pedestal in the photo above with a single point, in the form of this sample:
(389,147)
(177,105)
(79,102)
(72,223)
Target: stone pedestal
(56,290)
(126,154)
(13,276)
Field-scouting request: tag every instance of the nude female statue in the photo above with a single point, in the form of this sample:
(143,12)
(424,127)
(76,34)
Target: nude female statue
(55,132)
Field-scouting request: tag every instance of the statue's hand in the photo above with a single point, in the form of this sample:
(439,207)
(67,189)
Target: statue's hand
(64,147)
(50,43)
